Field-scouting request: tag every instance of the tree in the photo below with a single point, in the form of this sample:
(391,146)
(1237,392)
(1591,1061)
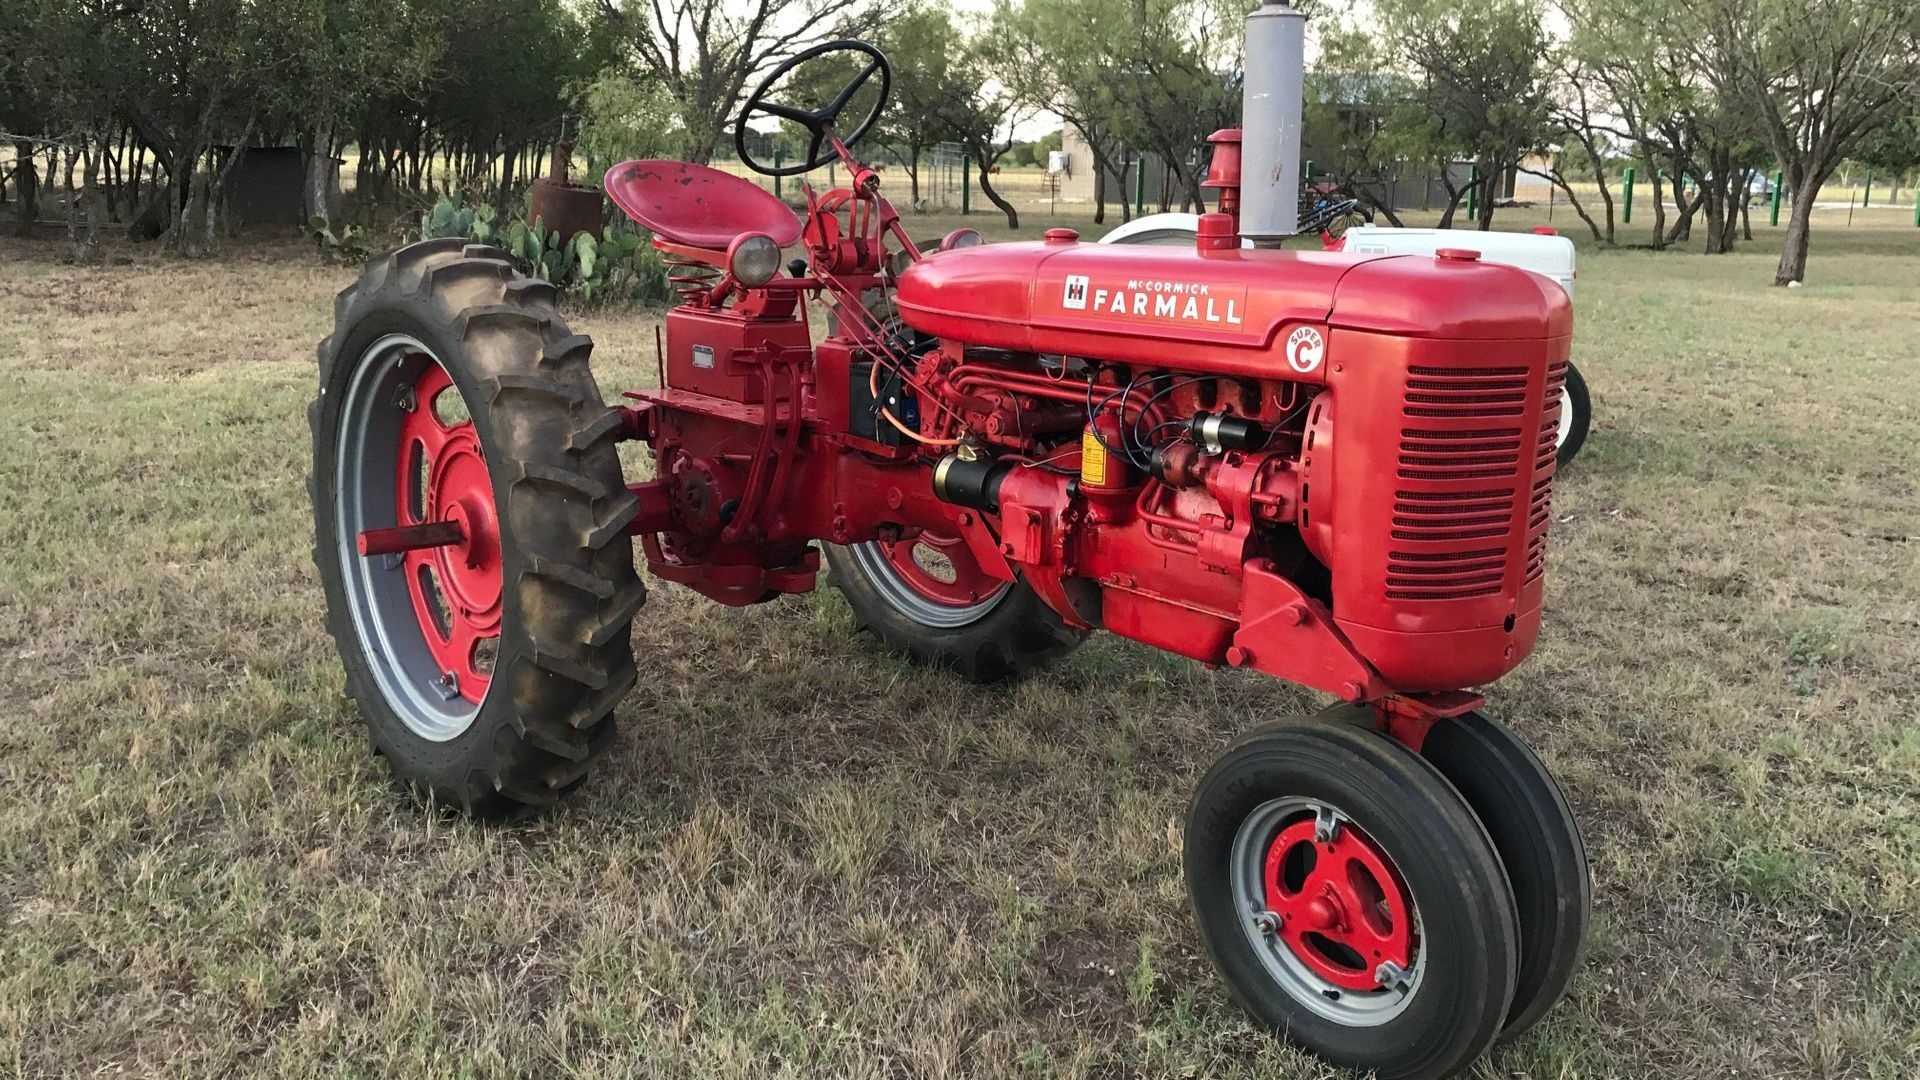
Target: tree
(1352,100)
(1574,122)
(1818,75)
(984,105)
(1180,83)
(1078,56)
(705,51)
(1644,73)
(344,54)
(920,42)
(1483,70)
(622,119)
(1893,148)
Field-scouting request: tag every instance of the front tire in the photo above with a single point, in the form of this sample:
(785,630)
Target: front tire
(1538,840)
(1576,416)
(487,670)
(1352,900)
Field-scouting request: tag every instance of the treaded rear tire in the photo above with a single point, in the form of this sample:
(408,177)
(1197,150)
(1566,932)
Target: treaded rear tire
(570,593)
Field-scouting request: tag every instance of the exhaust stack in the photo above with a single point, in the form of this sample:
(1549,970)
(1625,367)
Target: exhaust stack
(1270,121)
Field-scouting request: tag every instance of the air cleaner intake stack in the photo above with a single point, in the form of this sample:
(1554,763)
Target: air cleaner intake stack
(1270,121)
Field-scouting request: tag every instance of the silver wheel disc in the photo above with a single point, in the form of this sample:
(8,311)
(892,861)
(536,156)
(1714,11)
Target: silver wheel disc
(899,594)
(366,496)
(1349,1008)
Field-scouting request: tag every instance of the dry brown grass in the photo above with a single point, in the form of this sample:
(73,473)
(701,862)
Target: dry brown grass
(806,858)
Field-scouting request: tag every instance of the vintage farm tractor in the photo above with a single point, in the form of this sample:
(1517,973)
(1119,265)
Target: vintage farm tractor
(1328,467)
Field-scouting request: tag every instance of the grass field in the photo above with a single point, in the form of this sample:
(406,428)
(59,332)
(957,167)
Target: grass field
(805,858)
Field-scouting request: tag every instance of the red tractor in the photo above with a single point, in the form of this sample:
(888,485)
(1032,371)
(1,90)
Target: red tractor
(1331,468)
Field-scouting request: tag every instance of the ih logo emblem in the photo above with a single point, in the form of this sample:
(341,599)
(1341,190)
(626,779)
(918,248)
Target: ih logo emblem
(1075,298)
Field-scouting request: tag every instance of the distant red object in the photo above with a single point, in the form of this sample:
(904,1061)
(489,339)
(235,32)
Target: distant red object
(566,208)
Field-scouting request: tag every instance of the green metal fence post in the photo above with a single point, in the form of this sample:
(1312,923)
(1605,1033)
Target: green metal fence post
(1139,184)
(777,155)
(1916,207)
(1779,189)
(1626,213)
(966,186)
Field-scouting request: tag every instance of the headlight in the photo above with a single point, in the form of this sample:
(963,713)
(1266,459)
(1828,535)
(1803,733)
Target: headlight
(753,259)
(961,238)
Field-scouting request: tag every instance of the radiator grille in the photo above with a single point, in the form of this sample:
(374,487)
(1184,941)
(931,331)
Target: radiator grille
(1463,458)
(1540,507)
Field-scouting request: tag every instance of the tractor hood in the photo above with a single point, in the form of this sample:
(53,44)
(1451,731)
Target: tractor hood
(1228,311)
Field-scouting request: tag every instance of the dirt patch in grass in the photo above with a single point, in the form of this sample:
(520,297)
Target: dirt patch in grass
(807,858)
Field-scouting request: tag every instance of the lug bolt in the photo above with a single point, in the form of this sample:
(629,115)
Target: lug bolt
(1268,922)
(1389,974)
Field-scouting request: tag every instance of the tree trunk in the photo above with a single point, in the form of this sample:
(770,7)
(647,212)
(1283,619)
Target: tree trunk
(913,174)
(1454,198)
(981,159)
(1793,254)
(217,184)
(320,191)
(1190,181)
(26,183)
(1099,194)
(1713,199)
(83,210)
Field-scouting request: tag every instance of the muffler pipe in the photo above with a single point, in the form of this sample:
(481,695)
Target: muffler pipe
(1272,86)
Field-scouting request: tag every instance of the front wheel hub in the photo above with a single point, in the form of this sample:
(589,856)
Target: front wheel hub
(1327,912)
(1343,910)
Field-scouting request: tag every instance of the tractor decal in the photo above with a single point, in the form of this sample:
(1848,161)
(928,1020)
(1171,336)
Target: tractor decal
(1146,300)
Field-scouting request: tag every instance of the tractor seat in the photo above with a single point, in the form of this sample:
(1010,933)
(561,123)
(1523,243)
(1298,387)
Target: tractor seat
(698,206)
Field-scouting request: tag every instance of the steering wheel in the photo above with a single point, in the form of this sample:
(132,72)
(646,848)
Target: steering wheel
(818,122)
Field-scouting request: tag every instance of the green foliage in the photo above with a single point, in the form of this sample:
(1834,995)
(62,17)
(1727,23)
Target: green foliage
(452,217)
(1893,148)
(622,118)
(349,245)
(617,266)
(1033,154)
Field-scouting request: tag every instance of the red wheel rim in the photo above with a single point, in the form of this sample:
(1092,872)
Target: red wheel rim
(455,588)
(958,583)
(1343,910)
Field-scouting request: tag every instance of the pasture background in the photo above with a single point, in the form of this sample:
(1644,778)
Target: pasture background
(809,858)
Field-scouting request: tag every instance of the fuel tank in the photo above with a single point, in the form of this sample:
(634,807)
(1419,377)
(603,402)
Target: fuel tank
(1231,311)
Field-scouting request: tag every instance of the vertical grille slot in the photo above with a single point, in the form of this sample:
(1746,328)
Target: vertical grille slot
(1458,519)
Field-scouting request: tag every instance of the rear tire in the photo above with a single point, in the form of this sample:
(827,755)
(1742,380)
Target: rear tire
(1443,884)
(1003,635)
(565,584)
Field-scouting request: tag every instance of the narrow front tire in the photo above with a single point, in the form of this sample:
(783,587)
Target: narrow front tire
(1351,900)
